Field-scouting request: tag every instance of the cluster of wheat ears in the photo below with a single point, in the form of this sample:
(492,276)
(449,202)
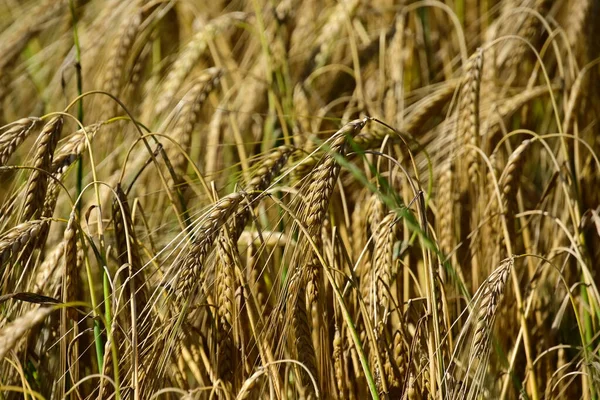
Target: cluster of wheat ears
(299,199)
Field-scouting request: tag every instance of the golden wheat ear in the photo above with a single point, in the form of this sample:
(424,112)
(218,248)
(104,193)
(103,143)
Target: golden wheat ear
(14,135)
(42,162)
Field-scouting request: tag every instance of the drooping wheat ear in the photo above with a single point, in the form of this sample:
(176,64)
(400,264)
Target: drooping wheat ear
(379,359)
(316,196)
(324,176)
(445,205)
(190,267)
(389,367)
(491,235)
(13,332)
(15,240)
(429,107)
(313,293)
(124,232)
(422,111)
(443,320)
(322,180)
(176,369)
(326,41)
(359,223)
(190,55)
(42,161)
(69,152)
(491,294)
(106,390)
(213,140)
(4,83)
(228,253)
(385,236)
(16,133)
(133,87)
(267,169)
(424,373)
(401,355)
(254,277)
(71,273)
(52,193)
(577,15)
(50,202)
(25,28)
(46,277)
(375,212)
(373,215)
(412,392)
(510,182)
(339,364)
(249,385)
(507,107)
(70,293)
(302,133)
(467,127)
(245,337)
(301,327)
(393,105)
(190,113)
(226,310)
(455,388)
(531,30)
(120,50)
(301,113)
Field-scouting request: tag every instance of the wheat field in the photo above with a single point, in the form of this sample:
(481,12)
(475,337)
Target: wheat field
(299,199)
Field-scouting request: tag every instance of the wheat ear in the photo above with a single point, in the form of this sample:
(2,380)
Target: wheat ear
(42,161)
(12,137)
